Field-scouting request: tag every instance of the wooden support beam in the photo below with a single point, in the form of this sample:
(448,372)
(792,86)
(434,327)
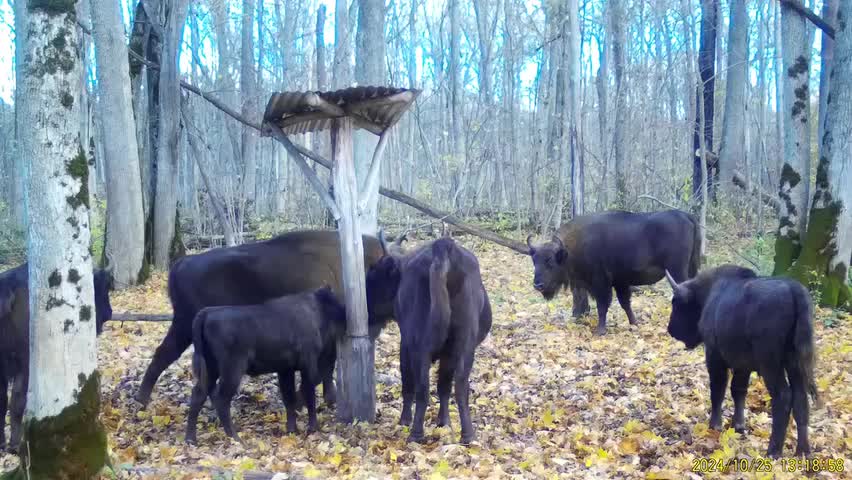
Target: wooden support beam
(309,174)
(355,352)
(375,168)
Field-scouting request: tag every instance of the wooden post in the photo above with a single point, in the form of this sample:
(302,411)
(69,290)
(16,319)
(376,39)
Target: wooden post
(355,352)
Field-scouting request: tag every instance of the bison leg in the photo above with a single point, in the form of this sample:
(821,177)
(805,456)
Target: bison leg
(4,404)
(718,371)
(287,385)
(779,392)
(310,395)
(446,370)
(623,293)
(463,397)
(18,404)
(329,392)
(801,410)
(739,389)
(421,395)
(176,341)
(196,401)
(603,299)
(407,385)
(229,383)
(580,298)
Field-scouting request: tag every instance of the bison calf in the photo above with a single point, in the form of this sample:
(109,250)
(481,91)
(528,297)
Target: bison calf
(750,324)
(443,313)
(294,332)
(15,343)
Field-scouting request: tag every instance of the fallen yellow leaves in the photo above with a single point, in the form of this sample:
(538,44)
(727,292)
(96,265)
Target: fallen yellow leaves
(549,400)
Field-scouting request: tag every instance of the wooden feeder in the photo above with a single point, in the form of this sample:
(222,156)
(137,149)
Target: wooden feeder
(375,109)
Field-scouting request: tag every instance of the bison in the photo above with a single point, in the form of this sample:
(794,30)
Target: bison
(294,332)
(15,343)
(443,313)
(251,274)
(616,250)
(749,323)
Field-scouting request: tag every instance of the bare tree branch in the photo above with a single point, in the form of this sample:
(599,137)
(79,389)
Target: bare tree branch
(810,15)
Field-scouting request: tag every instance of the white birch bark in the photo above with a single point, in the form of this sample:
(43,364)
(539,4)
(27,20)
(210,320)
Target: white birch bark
(62,321)
(125,226)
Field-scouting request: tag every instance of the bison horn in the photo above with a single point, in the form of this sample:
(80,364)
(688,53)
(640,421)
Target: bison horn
(677,288)
(558,242)
(383,242)
(530,244)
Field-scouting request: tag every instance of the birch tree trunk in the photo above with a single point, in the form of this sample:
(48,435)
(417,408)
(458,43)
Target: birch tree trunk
(63,437)
(124,247)
(794,182)
(602,87)
(733,145)
(166,235)
(824,260)
(618,24)
(369,70)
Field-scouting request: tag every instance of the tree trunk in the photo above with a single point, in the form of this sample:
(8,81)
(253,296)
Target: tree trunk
(602,86)
(248,83)
(341,70)
(369,70)
(732,149)
(829,14)
(705,94)
(124,247)
(63,437)
(618,24)
(166,236)
(794,182)
(572,124)
(824,260)
(19,171)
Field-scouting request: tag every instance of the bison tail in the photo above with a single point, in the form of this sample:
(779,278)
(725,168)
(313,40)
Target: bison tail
(439,306)
(803,339)
(200,353)
(695,258)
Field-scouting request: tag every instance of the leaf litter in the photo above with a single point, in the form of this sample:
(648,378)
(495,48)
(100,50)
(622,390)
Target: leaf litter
(549,400)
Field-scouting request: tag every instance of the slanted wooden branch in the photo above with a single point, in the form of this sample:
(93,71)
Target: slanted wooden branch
(810,15)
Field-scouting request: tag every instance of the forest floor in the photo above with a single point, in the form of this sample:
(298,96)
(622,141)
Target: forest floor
(549,400)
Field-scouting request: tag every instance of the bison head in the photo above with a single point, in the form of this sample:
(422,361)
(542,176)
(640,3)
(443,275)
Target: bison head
(549,262)
(382,284)
(103,283)
(395,248)
(686,312)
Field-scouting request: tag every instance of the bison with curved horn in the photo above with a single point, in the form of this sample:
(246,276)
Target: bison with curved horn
(615,250)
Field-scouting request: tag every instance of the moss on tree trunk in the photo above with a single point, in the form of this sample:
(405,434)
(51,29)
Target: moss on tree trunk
(812,266)
(68,446)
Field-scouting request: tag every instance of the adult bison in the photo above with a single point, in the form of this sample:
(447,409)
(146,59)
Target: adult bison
(14,339)
(443,313)
(616,250)
(749,323)
(248,275)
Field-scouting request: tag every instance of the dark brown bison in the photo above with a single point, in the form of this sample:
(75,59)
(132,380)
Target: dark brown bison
(443,313)
(295,332)
(616,250)
(749,323)
(249,275)
(14,340)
